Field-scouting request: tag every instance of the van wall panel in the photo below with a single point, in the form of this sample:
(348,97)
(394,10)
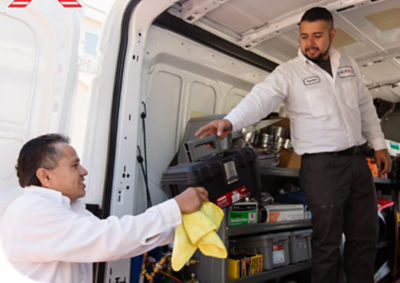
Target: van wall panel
(162,119)
(182,79)
(234,96)
(202,98)
(17,64)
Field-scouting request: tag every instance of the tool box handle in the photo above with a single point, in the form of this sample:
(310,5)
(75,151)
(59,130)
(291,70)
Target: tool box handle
(193,148)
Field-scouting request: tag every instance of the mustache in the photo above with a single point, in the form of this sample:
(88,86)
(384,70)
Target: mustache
(309,48)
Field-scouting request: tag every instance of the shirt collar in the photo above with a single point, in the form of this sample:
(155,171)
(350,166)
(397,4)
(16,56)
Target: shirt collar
(49,193)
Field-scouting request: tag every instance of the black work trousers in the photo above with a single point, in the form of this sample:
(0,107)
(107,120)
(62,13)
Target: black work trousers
(341,196)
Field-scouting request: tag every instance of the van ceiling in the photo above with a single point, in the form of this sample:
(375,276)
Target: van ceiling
(368,30)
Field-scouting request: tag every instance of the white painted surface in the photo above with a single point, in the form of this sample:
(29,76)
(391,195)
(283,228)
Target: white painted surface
(37,77)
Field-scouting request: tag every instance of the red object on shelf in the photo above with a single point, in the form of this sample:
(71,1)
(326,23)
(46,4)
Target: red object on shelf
(232,197)
(384,203)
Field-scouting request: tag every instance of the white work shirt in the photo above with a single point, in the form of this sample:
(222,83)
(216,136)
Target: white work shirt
(326,113)
(50,240)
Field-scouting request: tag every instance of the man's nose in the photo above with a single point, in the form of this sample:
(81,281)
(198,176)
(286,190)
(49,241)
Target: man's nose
(84,172)
(310,42)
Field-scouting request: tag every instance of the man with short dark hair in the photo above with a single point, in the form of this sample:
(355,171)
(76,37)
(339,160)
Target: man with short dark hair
(331,117)
(49,236)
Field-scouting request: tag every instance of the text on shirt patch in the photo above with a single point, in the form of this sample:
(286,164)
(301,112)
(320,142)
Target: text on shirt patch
(345,72)
(311,80)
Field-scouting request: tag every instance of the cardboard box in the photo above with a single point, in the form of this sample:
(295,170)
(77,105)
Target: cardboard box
(256,264)
(232,197)
(284,212)
(289,159)
(233,268)
(244,264)
(243,213)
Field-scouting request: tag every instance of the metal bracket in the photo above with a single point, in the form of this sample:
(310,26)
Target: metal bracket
(193,10)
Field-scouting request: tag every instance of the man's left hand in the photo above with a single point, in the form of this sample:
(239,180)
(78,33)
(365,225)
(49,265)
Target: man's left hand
(382,157)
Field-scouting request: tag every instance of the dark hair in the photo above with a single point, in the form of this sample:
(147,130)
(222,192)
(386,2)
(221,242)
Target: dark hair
(317,13)
(38,153)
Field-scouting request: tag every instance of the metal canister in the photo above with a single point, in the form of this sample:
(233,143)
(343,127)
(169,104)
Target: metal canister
(278,143)
(266,140)
(279,132)
(287,144)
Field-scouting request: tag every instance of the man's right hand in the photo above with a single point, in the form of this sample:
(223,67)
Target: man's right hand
(191,199)
(220,127)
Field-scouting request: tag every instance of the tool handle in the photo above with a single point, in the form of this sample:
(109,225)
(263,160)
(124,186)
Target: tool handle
(195,151)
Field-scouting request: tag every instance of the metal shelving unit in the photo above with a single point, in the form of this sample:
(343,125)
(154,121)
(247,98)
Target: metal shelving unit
(384,181)
(271,274)
(387,184)
(215,270)
(262,228)
(294,173)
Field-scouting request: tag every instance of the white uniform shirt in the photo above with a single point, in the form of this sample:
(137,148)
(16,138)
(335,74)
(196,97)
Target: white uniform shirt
(326,113)
(50,240)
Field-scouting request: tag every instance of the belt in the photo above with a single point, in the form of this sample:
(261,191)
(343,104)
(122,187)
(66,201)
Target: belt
(352,151)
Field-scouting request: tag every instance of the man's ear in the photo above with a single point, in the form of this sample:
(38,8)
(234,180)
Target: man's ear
(333,34)
(44,177)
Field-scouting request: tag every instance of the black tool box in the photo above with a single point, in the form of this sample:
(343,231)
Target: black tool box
(220,174)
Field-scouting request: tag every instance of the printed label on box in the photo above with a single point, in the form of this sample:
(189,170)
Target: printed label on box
(243,213)
(231,172)
(278,254)
(231,197)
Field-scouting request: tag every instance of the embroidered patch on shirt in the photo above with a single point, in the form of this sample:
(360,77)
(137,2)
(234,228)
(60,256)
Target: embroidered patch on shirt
(345,72)
(311,80)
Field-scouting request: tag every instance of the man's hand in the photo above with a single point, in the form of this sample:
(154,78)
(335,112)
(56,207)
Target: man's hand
(220,127)
(191,199)
(382,156)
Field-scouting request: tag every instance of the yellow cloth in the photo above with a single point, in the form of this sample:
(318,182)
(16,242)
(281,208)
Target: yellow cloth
(198,230)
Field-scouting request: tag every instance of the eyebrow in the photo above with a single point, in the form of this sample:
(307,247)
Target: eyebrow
(314,33)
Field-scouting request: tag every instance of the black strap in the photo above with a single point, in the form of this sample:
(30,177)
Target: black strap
(142,160)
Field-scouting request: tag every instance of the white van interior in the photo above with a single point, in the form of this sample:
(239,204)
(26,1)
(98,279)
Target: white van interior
(163,63)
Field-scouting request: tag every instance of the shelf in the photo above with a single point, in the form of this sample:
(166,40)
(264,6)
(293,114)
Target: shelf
(271,274)
(279,171)
(259,228)
(383,181)
(289,172)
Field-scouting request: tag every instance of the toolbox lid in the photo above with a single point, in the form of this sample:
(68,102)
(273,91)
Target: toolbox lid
(187,173)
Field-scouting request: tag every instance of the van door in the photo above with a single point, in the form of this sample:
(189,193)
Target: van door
(38,48)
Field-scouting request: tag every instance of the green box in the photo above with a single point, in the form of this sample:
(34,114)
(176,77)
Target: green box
(243,213)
